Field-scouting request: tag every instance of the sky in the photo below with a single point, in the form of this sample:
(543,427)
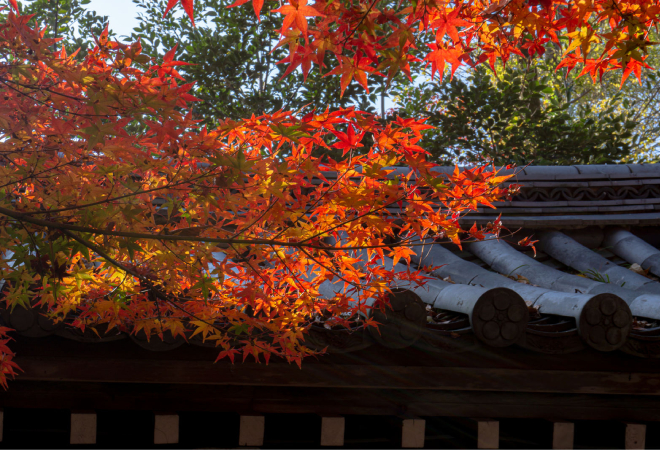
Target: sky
(121,13)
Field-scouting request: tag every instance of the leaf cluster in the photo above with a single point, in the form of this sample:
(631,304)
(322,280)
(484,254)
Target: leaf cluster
(71,20)
(169,227)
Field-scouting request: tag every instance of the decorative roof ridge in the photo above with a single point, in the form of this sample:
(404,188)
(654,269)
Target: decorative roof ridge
(550,173)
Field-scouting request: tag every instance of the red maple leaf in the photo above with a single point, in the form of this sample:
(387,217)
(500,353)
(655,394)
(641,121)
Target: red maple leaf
(305,56)
(634,66)
(256,4)
(187,6)
(348,140)
(448,24)
(527,242)
(169,64)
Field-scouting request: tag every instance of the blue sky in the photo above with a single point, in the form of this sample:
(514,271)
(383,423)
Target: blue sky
(121,13)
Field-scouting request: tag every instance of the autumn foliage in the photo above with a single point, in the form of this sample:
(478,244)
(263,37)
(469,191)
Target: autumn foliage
(119,212)
(383,37)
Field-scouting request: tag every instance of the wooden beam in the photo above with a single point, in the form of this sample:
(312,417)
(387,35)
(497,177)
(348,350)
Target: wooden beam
(256,400)
(332,431)
(83,428)
(412,433)
(166,429)
(251,432)
(342,375)
(488,434)
(635,436)
(563,435)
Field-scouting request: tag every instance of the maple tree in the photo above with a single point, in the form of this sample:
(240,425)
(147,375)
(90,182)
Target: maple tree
(119,211)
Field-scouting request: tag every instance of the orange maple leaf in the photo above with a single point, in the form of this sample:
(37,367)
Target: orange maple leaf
(440,55)
(296,13)
(349,68)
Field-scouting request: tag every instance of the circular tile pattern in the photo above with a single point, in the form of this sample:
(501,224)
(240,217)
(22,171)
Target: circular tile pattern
(401,325)
(500,317)
(31,322)
(605,322)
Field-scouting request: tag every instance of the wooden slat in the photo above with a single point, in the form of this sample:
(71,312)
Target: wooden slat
(83,428)
(563,435)
(332,431)
(251,432)
(166,429)
(635,436)
(488,434)
(412,433)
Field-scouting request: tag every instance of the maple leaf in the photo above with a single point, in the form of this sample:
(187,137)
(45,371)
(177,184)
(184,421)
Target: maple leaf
(357,67)
(290,38)
(401,252)
(448,24)
(348,140)
(303,57)
(187,6)
(439,55)
(257,5)
(477,233)
(633,66)
(582,38)
(167,68)
(296,13)
(396,62)
(528,242)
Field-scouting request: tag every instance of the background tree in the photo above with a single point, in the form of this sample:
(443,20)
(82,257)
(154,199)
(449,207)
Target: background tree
(235,60)
(518,116)
(639,102)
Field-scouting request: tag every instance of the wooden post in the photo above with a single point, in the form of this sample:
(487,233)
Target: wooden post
(83,428)
(332,431)
(166,429)
(562,435)
(2,423)
(251,432)
(488,434)
(412,433)
(635,436)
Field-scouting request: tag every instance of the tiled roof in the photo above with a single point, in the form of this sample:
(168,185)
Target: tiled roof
(593,284)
